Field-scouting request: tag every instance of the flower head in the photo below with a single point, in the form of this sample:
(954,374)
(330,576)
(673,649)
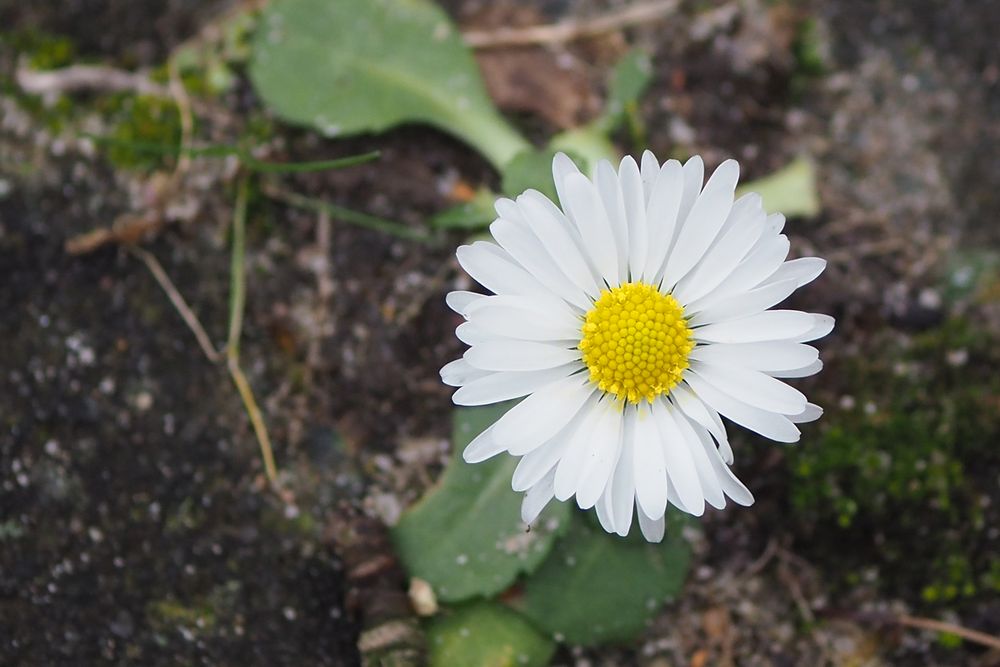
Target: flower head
(631,320)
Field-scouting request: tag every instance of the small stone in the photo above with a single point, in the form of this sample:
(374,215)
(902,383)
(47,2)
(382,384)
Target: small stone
(422,597)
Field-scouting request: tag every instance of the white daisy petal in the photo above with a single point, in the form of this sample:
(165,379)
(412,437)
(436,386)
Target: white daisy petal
(680,466)
(703,223)
(652,529)
(649,170)
(621,487)
(696,409)
(747,223)
(746,210)
(584,207)
(762,261)
(537,498)
(494,268)
(662,214)
(524,247)
(769,325)
(570,468)
(507,208)
(534,465)
(541,415)
(562,166)
(522,318)
(768,424)
(811,413)
(694,179)
(693,435)
(650,469)
(482,447)
(470,334)
(635,214)
(742,305)
(555,234)
(752,387)
(600,462)
(767,357)
(460,301)
(759,264)
(822,325)
(605,510)
(731,485)
(802,372)
(775,223)
(518,355)
(803,270)
(459,372)
(504,386)
(609,188)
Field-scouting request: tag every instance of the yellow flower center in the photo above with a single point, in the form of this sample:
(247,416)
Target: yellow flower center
(636,342)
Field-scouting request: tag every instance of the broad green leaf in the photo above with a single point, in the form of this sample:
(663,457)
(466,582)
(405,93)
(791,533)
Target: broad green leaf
(588,144)
(486,634)
(347,66)
(530,169)
(474,214)
(596,588)
(465,537)
(791,190)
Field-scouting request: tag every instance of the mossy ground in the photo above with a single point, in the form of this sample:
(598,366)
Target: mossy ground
(905,469)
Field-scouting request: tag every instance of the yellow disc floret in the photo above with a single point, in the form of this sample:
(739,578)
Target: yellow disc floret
(636,342)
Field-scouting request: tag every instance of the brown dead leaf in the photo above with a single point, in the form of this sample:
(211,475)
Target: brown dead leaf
(532,79)
(715,621)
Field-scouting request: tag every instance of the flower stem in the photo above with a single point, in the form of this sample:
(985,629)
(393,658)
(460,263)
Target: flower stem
(237,301)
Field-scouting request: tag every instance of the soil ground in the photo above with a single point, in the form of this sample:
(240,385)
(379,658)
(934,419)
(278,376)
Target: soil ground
(136,523)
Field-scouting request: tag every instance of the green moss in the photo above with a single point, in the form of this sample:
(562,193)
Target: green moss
(147,134)
(167,615)
(898,479)
(303,524)
(809,55)
(42,50)
(807,49)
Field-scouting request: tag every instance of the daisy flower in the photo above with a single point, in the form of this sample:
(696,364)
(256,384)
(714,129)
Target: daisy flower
(631,320)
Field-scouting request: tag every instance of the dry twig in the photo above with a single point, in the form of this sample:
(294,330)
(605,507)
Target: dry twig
(572,29)
(236,305)
(78,78)
(974,636)
(179,94)
(154,266)
(237,299)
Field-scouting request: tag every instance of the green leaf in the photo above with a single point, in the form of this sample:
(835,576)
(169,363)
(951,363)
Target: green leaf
(791,190)
(530,169)
(630,79)
(474,214)
(487,634)
(244,155)
(465,537)
(588,145)
(345,67)
(596,588)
